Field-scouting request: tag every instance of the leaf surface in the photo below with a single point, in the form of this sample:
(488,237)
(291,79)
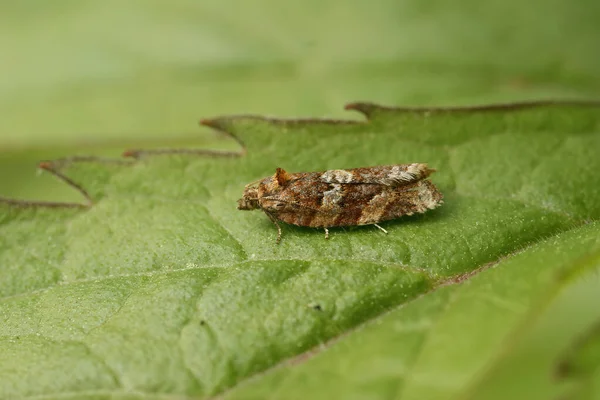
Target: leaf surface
(162,288)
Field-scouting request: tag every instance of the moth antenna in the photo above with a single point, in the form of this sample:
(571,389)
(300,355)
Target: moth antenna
(253,183)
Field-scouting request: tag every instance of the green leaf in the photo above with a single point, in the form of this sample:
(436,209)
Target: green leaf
(459,341)
(103,72)
(581,363)
(161,288)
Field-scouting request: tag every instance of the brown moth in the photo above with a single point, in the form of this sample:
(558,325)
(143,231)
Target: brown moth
(343,197)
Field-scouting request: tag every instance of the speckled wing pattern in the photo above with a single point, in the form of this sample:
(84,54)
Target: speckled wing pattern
(359,196)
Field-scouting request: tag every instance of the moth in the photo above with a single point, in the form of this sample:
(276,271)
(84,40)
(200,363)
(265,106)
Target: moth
(343,197)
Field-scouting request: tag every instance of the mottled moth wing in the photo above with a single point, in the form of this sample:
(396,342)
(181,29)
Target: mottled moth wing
(361,200)
(359,196)
(388,175)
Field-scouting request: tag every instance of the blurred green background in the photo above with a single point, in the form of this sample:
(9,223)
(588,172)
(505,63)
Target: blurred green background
(96,77)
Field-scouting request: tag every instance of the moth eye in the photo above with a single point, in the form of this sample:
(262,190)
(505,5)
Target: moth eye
(272,204)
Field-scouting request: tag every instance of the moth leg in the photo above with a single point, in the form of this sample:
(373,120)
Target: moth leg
(383,230)
(274,220)
(326,233)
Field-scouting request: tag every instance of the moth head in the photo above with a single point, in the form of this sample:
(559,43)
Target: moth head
(249,200)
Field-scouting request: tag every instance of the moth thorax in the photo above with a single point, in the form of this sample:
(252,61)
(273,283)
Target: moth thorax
(249,200)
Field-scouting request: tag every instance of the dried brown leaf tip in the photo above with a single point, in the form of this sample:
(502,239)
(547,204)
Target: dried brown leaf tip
(343,197)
